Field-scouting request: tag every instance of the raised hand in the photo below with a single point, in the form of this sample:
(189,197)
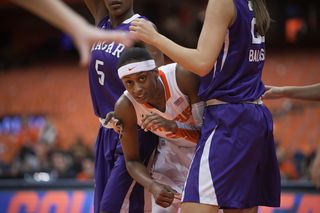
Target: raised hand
(144,30)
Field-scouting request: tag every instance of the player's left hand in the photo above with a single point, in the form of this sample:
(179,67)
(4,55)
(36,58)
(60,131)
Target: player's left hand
(153,121)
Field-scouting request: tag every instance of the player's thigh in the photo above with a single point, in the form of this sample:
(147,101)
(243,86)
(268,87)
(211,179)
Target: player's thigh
(190,207)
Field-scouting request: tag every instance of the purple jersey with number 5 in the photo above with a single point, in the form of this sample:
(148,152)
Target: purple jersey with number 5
(236,75)
(103,70)
(115,190)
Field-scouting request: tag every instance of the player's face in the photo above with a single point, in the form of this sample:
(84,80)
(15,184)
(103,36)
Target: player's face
(141,86)
(119,7)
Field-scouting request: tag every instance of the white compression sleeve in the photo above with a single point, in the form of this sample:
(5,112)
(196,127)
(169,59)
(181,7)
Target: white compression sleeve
(197,111)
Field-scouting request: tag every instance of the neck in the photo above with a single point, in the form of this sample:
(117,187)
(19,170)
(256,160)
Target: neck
(116,20)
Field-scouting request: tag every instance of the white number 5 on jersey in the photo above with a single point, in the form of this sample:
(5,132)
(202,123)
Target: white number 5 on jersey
(100,73)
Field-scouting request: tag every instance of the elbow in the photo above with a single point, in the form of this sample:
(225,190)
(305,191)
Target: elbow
(203,69)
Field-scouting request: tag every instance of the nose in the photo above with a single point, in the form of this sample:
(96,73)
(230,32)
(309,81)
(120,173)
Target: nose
(137,88)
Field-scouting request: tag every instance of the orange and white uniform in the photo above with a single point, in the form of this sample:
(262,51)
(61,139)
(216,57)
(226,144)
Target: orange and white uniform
(175,151)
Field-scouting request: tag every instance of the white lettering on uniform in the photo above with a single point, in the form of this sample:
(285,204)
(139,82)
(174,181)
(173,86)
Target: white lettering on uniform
(104,45)
(256,55)
(110,46)
(118,50)
(98,47)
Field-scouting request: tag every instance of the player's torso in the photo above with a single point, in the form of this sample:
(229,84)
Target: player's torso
(236,75)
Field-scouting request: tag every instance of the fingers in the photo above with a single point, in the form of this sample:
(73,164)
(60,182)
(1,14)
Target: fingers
(84,52)
(267,87)
(120,130)
(84,58)
(173,191)
(109,116)
(138,28)
(151,121)
(269,94)
(136,22)
(165,198)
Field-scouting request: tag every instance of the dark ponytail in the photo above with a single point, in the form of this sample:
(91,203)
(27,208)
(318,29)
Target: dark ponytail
(262,16)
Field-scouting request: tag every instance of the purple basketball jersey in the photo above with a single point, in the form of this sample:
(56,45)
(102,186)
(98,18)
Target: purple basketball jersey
(112,181)
(235,164)
(236,75)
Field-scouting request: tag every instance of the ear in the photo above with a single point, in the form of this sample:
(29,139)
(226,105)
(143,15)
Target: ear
(156,72)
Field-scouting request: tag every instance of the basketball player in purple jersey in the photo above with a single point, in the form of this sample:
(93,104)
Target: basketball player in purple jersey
(115,191)
(234,166)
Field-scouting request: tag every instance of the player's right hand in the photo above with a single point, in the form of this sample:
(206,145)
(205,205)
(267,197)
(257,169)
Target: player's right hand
(163,194)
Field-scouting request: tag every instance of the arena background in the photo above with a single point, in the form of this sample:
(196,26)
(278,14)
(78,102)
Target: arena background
(47,122)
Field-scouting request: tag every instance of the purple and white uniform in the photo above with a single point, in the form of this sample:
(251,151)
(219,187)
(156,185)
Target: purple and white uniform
(112,181)
(235,164)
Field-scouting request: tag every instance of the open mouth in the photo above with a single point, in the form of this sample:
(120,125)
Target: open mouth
(141,96)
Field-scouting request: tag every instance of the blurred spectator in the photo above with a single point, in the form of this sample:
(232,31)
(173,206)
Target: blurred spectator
(25,160)
(78,152)
(48,133)
(61,164)
(27,136)
(87,172)
(42,153)
(8,151)
(288,170)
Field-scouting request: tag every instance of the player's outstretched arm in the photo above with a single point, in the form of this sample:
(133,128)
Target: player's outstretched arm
(125,112)
(308,93)
(64,18)
(219,17)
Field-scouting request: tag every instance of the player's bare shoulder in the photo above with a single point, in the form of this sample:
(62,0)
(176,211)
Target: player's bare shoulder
(124,108)
(187,80)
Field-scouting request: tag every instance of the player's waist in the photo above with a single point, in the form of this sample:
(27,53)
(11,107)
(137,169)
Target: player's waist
(212,102)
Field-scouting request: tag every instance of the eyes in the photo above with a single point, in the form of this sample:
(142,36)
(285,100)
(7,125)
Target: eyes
(140,79)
